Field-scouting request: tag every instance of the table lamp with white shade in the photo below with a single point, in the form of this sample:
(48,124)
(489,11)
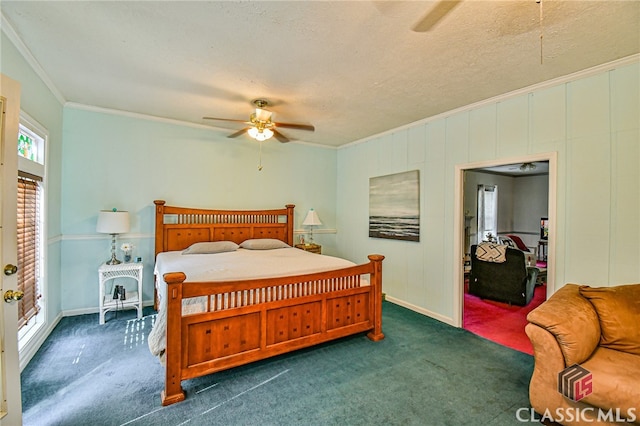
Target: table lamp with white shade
(311,220)
(113,222)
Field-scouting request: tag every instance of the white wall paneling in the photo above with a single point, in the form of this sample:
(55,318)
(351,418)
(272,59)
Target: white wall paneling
(587,126)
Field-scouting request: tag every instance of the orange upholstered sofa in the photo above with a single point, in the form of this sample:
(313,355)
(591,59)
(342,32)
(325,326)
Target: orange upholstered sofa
(586,342)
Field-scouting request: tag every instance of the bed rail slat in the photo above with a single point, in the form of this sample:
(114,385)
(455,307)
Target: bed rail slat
(226,298)
(226,218)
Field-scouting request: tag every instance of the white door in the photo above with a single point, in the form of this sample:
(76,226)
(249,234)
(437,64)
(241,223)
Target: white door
(11,398)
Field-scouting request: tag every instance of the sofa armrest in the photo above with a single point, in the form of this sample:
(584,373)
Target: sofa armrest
(544,396)
(549,360)
(572,320)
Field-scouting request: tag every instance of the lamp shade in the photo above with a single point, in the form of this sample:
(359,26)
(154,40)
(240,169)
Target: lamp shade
(263,114)
(113,222)
(312,219)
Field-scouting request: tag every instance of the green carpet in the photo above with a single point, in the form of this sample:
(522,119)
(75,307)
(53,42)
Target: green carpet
(423,373)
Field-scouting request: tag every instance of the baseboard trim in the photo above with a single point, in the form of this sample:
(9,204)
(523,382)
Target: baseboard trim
(34,344)
(96,309)
(426,312)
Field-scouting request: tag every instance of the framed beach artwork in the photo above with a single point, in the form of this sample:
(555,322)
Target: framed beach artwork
(394,206)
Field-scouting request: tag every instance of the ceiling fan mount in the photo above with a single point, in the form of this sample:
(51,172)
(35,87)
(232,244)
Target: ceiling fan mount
(260,103)
(260,125)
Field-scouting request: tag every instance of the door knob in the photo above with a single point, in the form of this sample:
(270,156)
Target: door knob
(10,269)
(11,296)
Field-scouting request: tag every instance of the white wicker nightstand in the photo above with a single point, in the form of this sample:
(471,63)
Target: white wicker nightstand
(133,298)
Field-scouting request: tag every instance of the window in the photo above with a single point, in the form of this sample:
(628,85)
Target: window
(30,227)
(28,145)
(487,212)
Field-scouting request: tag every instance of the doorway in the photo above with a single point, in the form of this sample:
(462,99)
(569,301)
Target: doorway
(518,185)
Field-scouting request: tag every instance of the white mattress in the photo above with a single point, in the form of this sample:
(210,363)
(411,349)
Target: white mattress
(236,265)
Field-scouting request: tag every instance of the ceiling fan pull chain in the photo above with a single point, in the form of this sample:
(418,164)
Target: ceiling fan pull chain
(260,158)
(541,30)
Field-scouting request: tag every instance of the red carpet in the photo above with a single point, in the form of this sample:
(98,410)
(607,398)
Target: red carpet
(500,322)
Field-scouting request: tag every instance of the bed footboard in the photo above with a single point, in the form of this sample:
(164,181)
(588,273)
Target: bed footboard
(250,320)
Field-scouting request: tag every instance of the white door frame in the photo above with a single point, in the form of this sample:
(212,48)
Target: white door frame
(11,398)
(458,232)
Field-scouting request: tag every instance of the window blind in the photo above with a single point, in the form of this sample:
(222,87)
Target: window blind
(28,243)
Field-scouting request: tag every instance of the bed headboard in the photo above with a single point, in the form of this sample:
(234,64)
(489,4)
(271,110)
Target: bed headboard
(179,227)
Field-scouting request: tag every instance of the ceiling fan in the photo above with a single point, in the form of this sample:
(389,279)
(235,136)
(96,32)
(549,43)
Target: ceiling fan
(434,15)
(524,167)
(260,126)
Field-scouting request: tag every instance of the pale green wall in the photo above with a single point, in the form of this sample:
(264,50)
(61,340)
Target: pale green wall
(114,160)
(124,161)
(40,103)
(593,124)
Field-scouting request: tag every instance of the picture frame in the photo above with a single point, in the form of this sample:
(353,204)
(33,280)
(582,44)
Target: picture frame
(394,206)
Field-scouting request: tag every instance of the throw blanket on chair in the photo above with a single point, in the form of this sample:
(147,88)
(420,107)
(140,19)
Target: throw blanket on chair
(490,252)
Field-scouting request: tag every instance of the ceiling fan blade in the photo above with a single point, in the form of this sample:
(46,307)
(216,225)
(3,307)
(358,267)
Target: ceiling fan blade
(296,126)
(282,138)
(226,119)
(238,133)
(434,16)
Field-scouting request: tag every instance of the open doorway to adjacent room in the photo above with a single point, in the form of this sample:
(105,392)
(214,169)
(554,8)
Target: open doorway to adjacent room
(506,202)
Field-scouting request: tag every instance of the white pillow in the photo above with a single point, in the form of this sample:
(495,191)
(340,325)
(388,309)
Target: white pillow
(263,244)
(211,247)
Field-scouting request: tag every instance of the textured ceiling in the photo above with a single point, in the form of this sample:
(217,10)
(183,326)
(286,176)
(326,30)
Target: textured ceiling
(351,68)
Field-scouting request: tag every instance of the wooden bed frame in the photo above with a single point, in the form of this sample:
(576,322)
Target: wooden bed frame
(250,320)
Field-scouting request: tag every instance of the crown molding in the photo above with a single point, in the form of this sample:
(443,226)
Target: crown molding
(22,48)
(137,115)
(588,72)
(140,116)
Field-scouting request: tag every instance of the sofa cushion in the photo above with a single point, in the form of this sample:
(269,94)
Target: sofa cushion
(614,381)
(618,309)
(572,320)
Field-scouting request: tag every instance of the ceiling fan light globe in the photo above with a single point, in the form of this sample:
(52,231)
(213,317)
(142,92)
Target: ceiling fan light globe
(268,133)
(260,134)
